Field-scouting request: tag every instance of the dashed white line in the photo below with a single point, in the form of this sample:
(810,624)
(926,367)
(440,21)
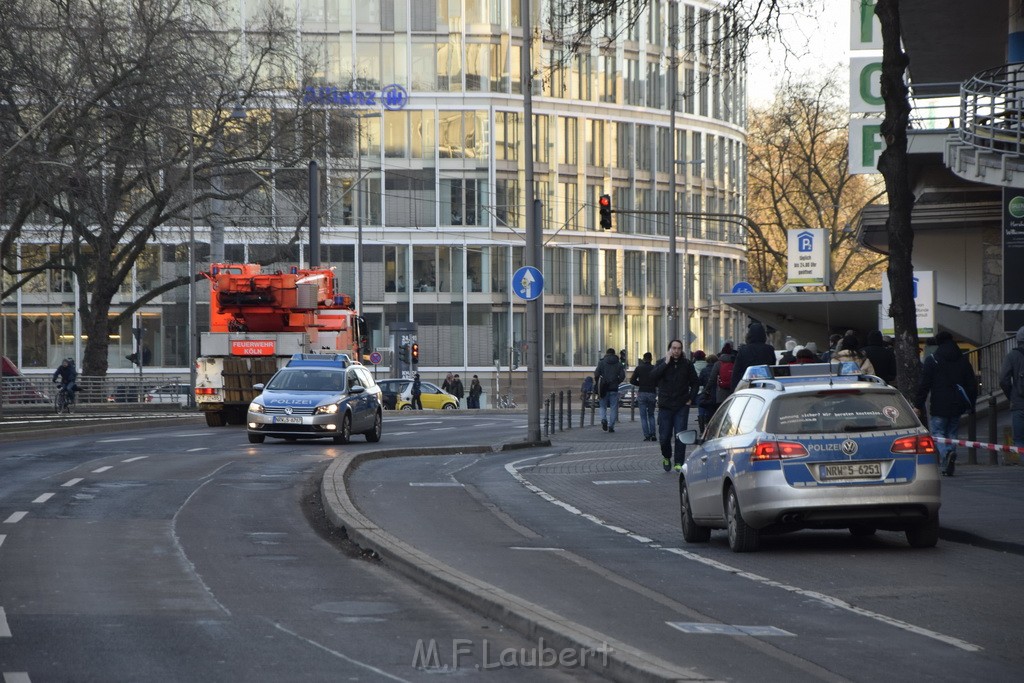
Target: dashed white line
(5,630)
(436,483)
(16,517)
(606,482)
(2,537)
(512,469)
(523,547)
(72,482)
(100,470)
(399,433)
(137,457)
(443,429)
(43,498)
(193,450)
(16,677)
(126,438)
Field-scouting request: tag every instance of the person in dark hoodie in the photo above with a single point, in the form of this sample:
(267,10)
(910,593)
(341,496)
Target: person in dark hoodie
(677,390)
(757,351)
(1011,381)
(948,379)
(608,374)
(719,384)
(882,357)
(646,396)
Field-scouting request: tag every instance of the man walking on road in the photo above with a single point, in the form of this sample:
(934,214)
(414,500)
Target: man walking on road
(608,374)
(677,389)
(646,396)
(1011,381)
(948,378)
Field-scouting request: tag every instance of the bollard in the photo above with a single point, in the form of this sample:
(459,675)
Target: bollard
(972,435)
(583,412)
(546,431)
(993,428)
(568,408)
(561,411)
(551,410)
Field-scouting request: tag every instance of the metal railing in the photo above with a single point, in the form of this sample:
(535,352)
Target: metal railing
(991,103)
(39,390)
(987,361)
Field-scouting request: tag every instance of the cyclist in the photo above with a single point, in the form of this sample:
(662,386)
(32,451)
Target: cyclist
(66,375)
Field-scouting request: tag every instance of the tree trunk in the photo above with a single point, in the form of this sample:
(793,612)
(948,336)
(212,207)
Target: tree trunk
(893,165)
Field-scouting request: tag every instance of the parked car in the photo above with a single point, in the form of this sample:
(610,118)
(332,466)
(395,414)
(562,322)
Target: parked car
(317,398)
(815,446)
(627,397)
(168,393)
(432,396)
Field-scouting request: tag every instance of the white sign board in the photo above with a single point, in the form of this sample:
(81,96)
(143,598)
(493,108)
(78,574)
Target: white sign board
(866,145)
(808,257)
(924,302)
(866,85)
(865,29)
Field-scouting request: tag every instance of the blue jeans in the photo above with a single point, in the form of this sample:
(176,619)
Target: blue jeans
(947,428)
(645,400)
(610,408)
(1017,422)
(671,421)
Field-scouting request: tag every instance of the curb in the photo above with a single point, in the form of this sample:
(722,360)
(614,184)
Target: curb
(97,426)
(610,658)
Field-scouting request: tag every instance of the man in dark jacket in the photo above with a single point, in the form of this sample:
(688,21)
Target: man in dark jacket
(646,396)
(949,379)
(1011,381)
(882,357)
(757,351)
(677,390)
(608,375)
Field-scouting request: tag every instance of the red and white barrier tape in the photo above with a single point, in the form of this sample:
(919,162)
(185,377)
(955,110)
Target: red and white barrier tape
(979,444)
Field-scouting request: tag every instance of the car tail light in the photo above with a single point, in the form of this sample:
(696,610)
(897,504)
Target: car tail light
(777,450)
(205,391)
(922,444)
(148,399)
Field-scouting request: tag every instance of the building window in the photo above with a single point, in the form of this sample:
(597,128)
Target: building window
(570,141)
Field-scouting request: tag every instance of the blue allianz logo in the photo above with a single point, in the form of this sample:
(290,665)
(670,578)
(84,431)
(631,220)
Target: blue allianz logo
(805,242)
(392,97)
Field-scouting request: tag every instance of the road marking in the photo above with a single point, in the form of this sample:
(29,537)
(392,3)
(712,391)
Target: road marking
(339,655)
(400,433)
(443,429)
(436,483)
(15,518)
(181,436)
(828,600)
(43,498)
(127,438)
(5,630)
(621,481)
(71,482)
(16,677)
(699,628)
(423,422)
(193,450)
(2,537)
(99,470)
(137,457)
(523,547)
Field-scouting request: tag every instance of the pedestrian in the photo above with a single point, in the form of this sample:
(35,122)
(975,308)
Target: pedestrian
(67,375)
(850,352)
(1011,381)
(646,396)
(719,384)
(417,404)
(446,385)
(587,389)
(475,390)
(677,391)
(608,374)
(804,355)
(882,357)
(756,351)
(948,384)
(789,355)
(458,391)
(699,360)
(813,348)
(833,346)
(705,399)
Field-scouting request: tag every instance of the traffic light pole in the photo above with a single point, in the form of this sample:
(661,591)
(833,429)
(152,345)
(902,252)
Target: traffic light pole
(534,241)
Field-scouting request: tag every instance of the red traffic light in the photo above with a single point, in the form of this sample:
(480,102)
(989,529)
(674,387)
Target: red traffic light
(605,204)
(605,201)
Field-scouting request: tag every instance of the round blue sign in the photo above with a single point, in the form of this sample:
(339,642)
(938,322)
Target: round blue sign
(742,288)
(393,97)
(528,283)
(375,358)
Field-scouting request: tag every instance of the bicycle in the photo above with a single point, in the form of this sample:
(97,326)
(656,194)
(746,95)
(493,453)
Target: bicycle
(63,402)
(506,401)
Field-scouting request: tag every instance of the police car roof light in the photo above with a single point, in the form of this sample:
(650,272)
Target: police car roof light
(334,360)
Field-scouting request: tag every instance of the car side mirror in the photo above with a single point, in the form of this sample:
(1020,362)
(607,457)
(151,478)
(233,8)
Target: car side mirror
(688,437)
(356,389)
(258,387)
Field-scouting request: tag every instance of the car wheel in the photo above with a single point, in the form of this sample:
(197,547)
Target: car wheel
(448,406)
(373,436)
(257,438)
(924,535)
(214,419)
(862,530)
(346,430)
(692,532)
(407,406)
(742,537)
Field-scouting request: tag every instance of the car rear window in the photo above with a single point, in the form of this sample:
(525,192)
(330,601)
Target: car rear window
(828,412)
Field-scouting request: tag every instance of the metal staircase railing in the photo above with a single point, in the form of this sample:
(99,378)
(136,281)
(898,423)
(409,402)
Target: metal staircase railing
(991,105)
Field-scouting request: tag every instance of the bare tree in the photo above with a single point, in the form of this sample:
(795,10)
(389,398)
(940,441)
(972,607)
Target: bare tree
(120,117)
(798,178)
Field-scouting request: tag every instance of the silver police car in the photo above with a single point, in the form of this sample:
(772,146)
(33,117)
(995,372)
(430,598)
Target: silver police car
(317,396)
(816,446)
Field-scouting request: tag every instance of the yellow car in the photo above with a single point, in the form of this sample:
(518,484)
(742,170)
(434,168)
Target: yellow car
(432,396)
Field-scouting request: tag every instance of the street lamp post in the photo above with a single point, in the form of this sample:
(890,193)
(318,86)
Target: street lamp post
(359,205)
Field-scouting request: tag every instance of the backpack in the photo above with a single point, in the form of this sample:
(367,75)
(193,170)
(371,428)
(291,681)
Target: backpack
(725,374)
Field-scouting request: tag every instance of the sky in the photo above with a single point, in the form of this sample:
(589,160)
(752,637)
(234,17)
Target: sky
(823,42)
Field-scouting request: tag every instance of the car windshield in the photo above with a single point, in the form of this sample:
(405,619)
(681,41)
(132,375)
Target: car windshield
(829,412)
(308,379)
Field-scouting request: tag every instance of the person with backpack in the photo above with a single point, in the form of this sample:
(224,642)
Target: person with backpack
(948,379)
(646,396)
(719,384)
(850,352)
(756,351)
(677,390)
(1011,381)
(705,399)
(608,374)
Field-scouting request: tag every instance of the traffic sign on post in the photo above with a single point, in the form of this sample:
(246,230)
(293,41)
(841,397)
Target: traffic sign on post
(527,283)
(375,358)
(742,288)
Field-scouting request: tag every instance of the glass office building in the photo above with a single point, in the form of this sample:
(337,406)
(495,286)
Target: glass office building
(437,190)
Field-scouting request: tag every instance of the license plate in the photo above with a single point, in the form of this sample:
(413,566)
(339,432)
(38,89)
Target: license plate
(851,470)
(287,420)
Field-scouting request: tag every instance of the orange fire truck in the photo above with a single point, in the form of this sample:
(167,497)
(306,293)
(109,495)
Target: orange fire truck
(258,320)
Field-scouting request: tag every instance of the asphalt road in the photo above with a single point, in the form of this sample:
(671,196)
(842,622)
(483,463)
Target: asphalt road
(182,553)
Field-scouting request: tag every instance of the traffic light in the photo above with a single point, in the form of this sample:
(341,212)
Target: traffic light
(403,353)
(415,354)
(605,204)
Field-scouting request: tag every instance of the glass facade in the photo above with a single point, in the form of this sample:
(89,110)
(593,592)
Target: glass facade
(438,187)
